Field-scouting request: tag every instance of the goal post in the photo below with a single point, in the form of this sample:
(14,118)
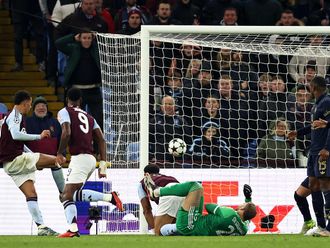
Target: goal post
(136,71)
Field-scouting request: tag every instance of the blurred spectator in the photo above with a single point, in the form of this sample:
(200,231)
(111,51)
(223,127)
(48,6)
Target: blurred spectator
(275,144)
(193,68)
(105,13)
(174,89)
(209,148)
(47,7)
(41,120)
(234,108)
(185,12)
(262,12)
(299,114)
(121,19)
(163,16)
(83,71)
(230,17)
(134,23)
(276,106)
(310,71)
(62,9)
(83,19)
(25,13)
(152,5)
(182,57)
(210,112)
(214,9)
(288,19)
(314,52)
(197,90)
(165,126)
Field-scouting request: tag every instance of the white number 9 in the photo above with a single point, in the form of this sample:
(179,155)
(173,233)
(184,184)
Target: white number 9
(85,124)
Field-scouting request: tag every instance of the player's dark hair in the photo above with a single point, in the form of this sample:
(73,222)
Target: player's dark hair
(319,83)
(151,169)
(21,96)
(74,94)
(250,211)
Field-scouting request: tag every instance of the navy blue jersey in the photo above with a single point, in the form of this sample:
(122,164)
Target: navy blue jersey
(320,138)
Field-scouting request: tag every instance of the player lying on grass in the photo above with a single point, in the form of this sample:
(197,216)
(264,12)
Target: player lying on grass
(190,221)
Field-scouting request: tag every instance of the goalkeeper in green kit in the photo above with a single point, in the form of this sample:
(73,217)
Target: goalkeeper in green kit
(220,221)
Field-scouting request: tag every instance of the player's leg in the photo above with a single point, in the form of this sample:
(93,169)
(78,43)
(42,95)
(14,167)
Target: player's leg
(300,196)
(30,193)
(48,161)
(161,221)
(325,186)
(167,210)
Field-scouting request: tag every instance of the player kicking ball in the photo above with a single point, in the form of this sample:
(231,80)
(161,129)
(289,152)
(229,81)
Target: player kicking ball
(220,221)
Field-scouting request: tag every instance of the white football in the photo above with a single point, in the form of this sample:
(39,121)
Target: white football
(177,147)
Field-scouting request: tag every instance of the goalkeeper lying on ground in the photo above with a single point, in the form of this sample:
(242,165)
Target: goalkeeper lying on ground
(190,221)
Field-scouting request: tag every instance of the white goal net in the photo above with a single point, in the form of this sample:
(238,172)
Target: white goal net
(231,93)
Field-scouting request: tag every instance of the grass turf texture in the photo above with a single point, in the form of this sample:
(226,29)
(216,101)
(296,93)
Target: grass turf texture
(147,241)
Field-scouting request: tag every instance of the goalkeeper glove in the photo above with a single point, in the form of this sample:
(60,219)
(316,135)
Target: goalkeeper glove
(247,190)
(102,169)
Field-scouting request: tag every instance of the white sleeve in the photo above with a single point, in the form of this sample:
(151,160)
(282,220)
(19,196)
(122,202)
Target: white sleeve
(96,126)
(142,194)
(26,149)
(57,14)
(14,124)
(63,116)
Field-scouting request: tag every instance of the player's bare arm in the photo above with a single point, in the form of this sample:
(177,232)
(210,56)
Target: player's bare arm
(99,138)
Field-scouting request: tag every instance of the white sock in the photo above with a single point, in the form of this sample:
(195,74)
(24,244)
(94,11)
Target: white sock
(70,210)
(59,179)
(34,210)
(87,195)
(168,229)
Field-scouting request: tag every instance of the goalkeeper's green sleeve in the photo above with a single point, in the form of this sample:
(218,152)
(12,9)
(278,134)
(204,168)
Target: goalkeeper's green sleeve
(248,199)
(213,209)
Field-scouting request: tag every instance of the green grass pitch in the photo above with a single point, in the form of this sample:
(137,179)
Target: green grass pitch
(147,241)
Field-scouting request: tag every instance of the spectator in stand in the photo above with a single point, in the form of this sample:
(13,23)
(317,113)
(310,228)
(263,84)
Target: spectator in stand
(84,18)
(165,126)
(274,64)
(276,106)
(21,22)
(210,112)
(134,23)
(163,16)
(288,19)
(174,89)
(214,9)
(62,9)
(262,12)
(152,5)
(298,62)
(275,144)
(299,115)
(40,120)
(107,17)
(193,69)
(185,12)
(121,19)
(47,7)
(310,71)
(209,149)
(230,17)
(234,108)
(195,93)
(262,96)
(183,56)
(83,71)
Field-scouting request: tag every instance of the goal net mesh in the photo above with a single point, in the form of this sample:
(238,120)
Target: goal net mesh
(231,98)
